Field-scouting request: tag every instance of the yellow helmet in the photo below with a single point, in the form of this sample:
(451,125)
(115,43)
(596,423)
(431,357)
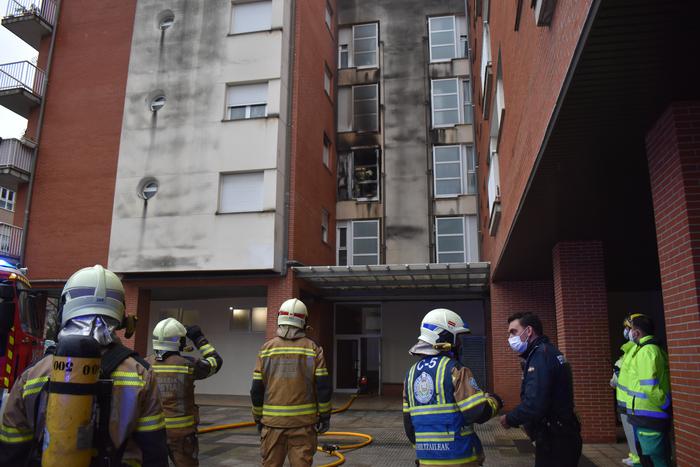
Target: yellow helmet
(93,291)
(167,335)
(628,320)
(292,313)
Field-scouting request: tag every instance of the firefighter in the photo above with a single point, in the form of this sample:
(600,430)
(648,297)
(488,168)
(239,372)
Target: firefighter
(644,387)
(176,375)
(36,426)
(291,391)
(441,398)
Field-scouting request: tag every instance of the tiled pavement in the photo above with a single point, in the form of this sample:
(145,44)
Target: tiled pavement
(390,448)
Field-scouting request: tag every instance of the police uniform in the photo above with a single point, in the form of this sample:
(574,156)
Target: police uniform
(546,408)
(441,403)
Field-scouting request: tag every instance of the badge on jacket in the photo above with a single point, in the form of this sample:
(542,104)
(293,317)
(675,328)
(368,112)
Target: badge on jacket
(424,388)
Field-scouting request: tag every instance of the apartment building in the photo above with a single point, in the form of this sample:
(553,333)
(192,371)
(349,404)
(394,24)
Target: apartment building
(586,125)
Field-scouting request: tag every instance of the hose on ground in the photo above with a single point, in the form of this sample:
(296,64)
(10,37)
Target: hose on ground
(334,450)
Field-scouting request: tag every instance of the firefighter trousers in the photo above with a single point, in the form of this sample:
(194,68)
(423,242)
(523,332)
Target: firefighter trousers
(296,444)
(184,450)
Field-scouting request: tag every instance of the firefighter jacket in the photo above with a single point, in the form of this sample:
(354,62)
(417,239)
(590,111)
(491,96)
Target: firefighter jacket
(136,416)
(441,403)
(644,382)
(291,386)
(176,375)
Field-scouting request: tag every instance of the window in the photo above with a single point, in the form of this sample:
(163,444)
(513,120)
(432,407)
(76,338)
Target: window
(442,38)
(246,101)
(250,17)
(242,192)
(343,56)
(364,44)
(453,245)
(327,80)
(365,107)
(324,225)
(358,175)
(445,102)
(470,156)
(485,56)
(247,319)
(7,199)
(363,248)
(326,151)
(329,17)
(454,170)
(467,101)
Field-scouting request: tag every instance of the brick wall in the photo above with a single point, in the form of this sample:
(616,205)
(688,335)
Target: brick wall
(508,298)
(582,327)
(673,151)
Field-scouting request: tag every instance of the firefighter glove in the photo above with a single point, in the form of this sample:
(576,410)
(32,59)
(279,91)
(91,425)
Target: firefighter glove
(259,426)
(194,332)
(323,424)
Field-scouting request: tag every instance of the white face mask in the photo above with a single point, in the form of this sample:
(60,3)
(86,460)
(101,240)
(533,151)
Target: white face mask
(517,344)
(631,337)
(626,333)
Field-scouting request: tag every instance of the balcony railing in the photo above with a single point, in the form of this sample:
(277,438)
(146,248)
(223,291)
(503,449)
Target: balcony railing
(44,9)
(10,240)
(24,75)
(16,155)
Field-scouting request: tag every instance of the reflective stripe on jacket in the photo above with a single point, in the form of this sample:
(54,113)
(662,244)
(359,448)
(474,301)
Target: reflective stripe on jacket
(291,386)
(624,399)
(444,401)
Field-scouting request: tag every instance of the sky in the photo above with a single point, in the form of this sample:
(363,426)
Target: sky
(12,49)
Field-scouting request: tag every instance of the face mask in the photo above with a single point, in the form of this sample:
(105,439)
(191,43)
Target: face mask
(630,337)
(626,333)
(516,344)
(99,328)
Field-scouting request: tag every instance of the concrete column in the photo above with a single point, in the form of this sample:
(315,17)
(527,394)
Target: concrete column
(508,298)
(673,152)
(582,327)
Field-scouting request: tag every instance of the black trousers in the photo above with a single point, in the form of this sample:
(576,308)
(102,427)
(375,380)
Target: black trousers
(557,450)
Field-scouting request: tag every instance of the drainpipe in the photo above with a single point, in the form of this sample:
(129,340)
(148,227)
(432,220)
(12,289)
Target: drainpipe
(288,150)
(35,152)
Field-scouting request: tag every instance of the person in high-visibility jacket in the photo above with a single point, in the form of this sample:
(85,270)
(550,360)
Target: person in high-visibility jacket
(291,391)
(176,375)
(441,398)
(644,382)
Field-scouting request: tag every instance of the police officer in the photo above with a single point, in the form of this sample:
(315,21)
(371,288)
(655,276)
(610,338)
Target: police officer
(546,408)
(291,391)
(176,375)
(92,307)
(441,399)
(644,390)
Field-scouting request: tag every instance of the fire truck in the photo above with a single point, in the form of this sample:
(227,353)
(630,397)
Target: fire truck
(21,325)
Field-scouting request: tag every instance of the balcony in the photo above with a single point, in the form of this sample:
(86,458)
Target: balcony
(22,86)
(10,240)
(15,162)
(30,20)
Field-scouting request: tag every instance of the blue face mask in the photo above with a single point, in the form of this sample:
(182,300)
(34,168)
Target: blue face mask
(517,344)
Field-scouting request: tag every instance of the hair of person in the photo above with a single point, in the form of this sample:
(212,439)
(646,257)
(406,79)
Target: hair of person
(644,324)
(528,319)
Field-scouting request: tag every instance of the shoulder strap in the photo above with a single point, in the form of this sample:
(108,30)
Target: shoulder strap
(114,356)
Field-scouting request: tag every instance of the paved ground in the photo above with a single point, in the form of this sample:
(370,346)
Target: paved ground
(390,448)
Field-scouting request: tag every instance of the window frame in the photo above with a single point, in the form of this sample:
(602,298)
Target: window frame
(247,106)
(239,4)
(350,238)
(353,64)
(467,104)
(261,204)
(432,103)
(455,39)
(338,248)
(346,51)
(438,235)
(355,127)
(8,199)
(462,171)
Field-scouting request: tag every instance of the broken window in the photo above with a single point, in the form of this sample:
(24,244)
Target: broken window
(358,175)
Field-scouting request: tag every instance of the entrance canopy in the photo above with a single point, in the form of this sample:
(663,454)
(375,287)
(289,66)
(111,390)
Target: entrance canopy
(398,281)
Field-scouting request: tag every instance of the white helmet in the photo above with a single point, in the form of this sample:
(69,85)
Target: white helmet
(438,321)
(167,335)
(292,313)
(93,291)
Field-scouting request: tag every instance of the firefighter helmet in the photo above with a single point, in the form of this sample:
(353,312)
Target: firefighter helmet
(441,326)
(168,334)
(292,313)
(93,291)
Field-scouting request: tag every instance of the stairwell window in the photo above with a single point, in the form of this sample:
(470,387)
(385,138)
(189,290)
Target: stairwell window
(445,102)
(365,107)
(251,17)
(454,171)
(358,242)
(365,45)
(7,199)
(245,101)
(456,239)
(442,38)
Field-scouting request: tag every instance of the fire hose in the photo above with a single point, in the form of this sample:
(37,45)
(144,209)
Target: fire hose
(335,450)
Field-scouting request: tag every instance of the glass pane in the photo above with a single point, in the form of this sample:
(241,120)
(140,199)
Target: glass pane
(257,111)
(450,258)
(448,187)
(451,243)
(343,258)
(365,229)
(365,260)
(259,319)
(365,45)
(236,113)
(445,86)
(343,237)
(365,92)
(443,52)
(446,154)
(365,107)
(446,22)
(366,59)
(344,57)
(365,30)
(449,170)
(471,183)
(365,190)
(453,225)
(372,319)
(446,117)
(442,38)
(364,245)
(240,319)
(366,123)
(446,102)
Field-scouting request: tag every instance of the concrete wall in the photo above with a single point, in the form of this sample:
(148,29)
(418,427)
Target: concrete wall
(401,327)
(238,348)
(404,94)
(186,145)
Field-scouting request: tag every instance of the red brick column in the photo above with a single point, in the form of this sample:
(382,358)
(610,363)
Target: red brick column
(138,302)
(582,327)
(673,152)
(277,292)
(508,298)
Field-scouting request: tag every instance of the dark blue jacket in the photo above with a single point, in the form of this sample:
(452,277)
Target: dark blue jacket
(547,392)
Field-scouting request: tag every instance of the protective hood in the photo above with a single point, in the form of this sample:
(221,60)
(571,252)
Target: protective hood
(423,348)
(100,328)
(290,332)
